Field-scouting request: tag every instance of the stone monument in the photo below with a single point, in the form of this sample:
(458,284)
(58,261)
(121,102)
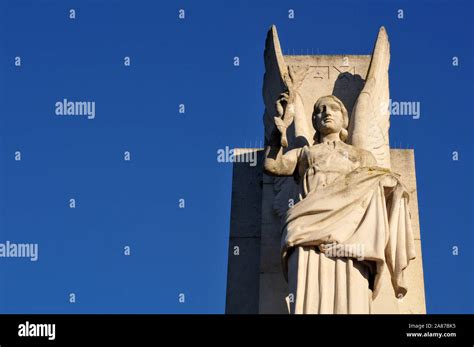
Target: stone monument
(328,222)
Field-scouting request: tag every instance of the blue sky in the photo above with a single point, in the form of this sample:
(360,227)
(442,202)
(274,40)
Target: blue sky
(184,250)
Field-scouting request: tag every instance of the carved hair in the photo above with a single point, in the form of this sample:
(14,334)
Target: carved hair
(345,116)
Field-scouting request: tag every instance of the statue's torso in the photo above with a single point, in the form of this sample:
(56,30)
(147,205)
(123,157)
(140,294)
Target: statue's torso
(322,164)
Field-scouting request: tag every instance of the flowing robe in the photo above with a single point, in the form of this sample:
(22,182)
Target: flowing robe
(351,221)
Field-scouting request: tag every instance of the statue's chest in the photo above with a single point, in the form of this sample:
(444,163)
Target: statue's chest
(328,158)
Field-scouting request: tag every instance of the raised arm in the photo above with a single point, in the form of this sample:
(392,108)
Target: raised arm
(277,163)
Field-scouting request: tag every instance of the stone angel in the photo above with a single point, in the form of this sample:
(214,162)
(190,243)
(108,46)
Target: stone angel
(349,199)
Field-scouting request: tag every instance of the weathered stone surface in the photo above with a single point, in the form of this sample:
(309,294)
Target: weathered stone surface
(273,291)
(269,215)
(246,207)
(404,164)
(246,198)
(414,301)
(270,261)
(243,276)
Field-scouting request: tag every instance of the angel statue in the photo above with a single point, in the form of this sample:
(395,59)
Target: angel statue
(349,199)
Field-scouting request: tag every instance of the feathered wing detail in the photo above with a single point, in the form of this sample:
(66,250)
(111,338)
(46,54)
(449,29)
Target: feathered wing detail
(370,119)
(274,80)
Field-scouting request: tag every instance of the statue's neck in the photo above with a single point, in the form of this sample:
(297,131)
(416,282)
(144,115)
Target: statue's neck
(329,137)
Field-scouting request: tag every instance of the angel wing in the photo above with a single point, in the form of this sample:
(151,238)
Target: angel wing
(370,119)
(275,82)
(278,79)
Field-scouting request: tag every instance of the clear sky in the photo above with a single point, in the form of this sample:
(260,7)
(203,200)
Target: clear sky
(135,203)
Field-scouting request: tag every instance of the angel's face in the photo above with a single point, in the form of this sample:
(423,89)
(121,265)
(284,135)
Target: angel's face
(328,116)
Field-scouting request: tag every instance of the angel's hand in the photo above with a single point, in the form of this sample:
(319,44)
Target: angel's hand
(281,104)
(285,107)
(328,248)
(285,115)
